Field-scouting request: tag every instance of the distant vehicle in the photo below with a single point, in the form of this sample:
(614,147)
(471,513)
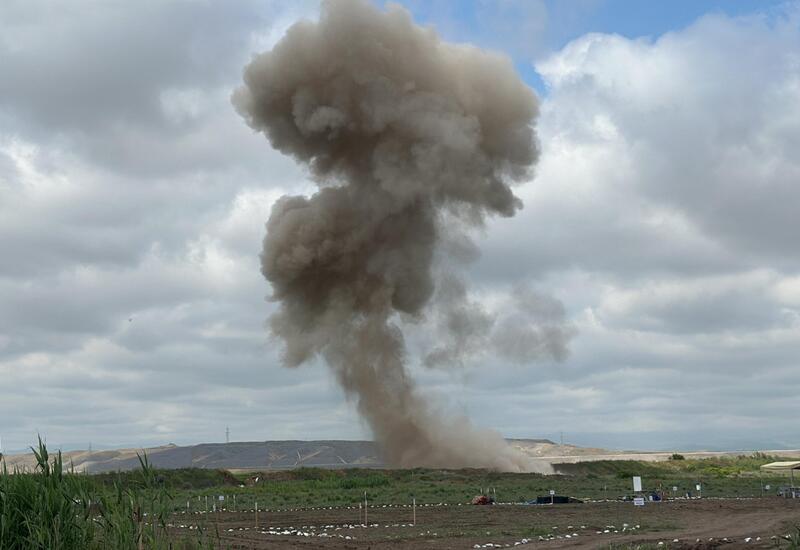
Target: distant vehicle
(786,491)
(554,499)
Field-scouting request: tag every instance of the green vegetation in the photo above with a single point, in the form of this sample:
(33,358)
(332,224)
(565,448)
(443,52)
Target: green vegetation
(746,465)
(789,542)
(48,510)
(175,480)
(52,507)
(735,476)
(720,476)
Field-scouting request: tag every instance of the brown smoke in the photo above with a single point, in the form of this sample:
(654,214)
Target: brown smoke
(528,327)
(399,129)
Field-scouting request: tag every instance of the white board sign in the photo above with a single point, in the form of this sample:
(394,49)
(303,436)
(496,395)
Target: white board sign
(552,492)
(638,501)
(766,487)
(221,498)
(637,484)
(674,488)
(699,487)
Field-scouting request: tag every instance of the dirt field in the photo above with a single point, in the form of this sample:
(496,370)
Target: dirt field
(705,523)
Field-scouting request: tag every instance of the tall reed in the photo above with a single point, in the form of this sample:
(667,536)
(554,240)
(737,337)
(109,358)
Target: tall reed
(52,508)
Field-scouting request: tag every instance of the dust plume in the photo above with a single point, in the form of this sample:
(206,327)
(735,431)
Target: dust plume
(401,131)
(524,327)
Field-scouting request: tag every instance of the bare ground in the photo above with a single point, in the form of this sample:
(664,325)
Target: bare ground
(706,523)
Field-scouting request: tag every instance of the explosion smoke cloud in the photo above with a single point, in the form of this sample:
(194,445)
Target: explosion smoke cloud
(401,131)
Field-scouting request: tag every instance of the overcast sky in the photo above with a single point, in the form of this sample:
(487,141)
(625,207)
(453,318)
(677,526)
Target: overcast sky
(665,215)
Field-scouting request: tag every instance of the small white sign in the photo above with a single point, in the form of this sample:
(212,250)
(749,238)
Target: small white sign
(698,487)
(674,488)
(637,484)
(221,498)
(638,501)
(552,492)
(766,487)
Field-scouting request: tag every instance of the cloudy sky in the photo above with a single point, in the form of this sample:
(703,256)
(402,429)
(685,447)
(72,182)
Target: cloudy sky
(664,214)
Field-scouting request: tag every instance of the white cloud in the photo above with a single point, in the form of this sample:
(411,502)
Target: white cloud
(664,214)
(133,198)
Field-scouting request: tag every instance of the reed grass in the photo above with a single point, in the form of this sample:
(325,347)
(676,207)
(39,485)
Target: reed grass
(54,508)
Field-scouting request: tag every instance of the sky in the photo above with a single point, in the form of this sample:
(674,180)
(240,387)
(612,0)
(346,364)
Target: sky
(663,214)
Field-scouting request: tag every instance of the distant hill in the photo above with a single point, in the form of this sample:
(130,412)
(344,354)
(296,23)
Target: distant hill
(264,455)
(251,455)
(274,455)
(283,455)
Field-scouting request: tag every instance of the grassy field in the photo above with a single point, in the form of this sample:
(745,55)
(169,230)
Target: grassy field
(53,508)
(728,477)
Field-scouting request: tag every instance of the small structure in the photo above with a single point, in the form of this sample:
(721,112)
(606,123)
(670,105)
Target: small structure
(783,467)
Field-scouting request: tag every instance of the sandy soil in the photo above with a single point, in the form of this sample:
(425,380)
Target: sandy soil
(698,523)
